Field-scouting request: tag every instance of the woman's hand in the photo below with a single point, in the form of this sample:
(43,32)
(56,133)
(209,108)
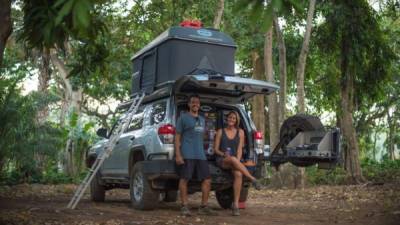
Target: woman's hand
(226,154)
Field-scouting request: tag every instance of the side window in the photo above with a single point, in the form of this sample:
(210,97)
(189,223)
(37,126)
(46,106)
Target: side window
(137,121)
(117,120)
(158,112)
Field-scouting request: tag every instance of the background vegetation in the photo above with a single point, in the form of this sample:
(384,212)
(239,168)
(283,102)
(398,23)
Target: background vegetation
(79,54)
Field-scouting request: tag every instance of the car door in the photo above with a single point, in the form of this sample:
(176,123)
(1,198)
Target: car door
(109,166)
(222,88)
(127,140)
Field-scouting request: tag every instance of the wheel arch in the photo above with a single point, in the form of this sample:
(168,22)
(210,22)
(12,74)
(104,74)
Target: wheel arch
(137,154)
(90,158)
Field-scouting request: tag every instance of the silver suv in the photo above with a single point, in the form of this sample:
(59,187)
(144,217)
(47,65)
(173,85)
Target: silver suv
(143,159)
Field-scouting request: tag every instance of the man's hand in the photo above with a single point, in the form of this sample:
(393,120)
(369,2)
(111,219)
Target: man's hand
(179,160)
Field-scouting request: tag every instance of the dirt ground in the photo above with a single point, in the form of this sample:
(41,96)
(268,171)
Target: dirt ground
(365,204)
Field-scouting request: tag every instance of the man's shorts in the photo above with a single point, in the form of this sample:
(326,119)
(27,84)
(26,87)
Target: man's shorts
(194,169)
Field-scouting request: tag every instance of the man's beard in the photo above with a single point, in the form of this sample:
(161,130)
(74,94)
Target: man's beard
(194,110)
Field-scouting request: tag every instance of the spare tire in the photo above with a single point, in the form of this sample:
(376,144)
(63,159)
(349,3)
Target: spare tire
(294,125)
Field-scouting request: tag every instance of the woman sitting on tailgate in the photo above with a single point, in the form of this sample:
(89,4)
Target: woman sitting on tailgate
(228,149)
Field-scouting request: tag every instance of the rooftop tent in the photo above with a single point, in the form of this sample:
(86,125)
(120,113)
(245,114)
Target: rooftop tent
(180,51)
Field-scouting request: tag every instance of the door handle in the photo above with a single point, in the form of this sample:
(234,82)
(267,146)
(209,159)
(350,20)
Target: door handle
(132,138)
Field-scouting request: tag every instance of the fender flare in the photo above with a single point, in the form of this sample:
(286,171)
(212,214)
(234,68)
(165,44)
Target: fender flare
(90,158)
(136,154)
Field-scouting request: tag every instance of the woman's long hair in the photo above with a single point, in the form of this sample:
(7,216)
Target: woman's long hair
(237,118)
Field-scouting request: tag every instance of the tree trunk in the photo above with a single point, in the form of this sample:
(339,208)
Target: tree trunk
(258,103)
(73,102)
(272,98)
(44,78)
(300,68)
(282,71)
(42,114)
(5,27)
(374,148)
(301,64)
(352,162)
(351,149)
(218,14)
(390,136)
(273,118)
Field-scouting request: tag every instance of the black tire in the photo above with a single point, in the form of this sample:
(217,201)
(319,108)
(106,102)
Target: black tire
(296,124)
(143,197)
(225,198)
(97,191)
(171,196)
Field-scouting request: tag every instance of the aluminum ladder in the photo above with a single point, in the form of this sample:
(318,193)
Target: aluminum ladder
(119,130)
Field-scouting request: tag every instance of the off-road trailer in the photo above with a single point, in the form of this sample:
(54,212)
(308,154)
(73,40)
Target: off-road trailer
(304,141)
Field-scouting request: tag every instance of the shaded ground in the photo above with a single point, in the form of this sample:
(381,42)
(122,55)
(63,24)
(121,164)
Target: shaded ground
(46,204)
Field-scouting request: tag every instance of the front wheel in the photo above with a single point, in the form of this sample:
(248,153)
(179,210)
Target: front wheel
(143,197)
(97,191)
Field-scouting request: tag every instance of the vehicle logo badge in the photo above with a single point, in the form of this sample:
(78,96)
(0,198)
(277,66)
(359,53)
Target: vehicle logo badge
(205,33)
(205,108)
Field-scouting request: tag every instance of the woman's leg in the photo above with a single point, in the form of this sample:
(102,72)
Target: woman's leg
(237,186)
(234,163)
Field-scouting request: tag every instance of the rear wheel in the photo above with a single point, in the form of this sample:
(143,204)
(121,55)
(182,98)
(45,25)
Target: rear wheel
(171,196)
(296,124)
(97,191)
(143,197)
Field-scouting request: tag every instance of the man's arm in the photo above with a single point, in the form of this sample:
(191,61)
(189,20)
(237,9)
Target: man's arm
(178,154)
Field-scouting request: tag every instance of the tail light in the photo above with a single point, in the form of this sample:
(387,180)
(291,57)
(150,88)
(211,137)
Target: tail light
(166,133)
(258,142)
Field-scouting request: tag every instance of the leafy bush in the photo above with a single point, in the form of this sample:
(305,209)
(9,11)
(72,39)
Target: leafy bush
(373,171)
(317,176)
(385,171)
(55,177)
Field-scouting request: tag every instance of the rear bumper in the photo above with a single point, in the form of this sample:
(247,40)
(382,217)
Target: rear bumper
(163,175)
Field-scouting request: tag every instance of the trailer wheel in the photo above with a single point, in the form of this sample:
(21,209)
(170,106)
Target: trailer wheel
(296,124)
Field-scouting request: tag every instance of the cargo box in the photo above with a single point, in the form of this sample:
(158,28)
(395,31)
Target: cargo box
(181,51)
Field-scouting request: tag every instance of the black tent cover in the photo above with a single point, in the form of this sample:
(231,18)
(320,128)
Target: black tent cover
(180,51)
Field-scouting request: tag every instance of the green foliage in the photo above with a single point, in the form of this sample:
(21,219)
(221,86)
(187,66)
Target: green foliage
(52,175)
(352,34)
(373,171)
(264,11)
(385,171)
(317,176)
(50,23)
(22,139)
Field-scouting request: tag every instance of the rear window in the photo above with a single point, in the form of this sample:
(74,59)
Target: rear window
(158,112)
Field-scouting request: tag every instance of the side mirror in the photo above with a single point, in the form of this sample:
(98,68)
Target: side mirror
(102,132)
